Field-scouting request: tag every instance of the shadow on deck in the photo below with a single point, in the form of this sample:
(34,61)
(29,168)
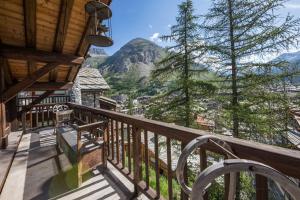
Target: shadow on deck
(49,175)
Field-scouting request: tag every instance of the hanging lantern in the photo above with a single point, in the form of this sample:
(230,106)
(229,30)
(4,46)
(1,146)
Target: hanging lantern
(101,33)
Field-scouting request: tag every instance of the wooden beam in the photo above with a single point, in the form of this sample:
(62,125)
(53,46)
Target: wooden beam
(36,101)
(62,25)
(31,67)
(21,53)
(83,44)
(27,82)
(6,70)
(72,73)
(61,30)
(29,7)
(49,86)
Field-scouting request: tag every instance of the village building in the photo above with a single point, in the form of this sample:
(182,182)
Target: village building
(89,86)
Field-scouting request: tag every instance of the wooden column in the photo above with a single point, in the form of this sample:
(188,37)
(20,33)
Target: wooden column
(137,156)
(183,195)
(3,138)
(12,112)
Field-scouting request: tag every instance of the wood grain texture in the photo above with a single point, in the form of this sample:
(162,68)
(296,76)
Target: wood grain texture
(27,82)
(61,30)
(21,53)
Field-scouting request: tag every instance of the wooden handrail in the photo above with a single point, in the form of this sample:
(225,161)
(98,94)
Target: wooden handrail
(285,160)
(90,126)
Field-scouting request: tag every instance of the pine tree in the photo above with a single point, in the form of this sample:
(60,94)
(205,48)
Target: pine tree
(178,72)
(240,35)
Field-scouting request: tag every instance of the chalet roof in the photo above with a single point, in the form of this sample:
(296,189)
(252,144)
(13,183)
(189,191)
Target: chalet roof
(91,79)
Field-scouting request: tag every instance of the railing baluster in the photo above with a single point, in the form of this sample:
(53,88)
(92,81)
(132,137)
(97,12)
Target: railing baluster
(112,141)
(36,116)
(203,166)
(146,158)
(48,115)
(129,148)
(137,156)
(117,142)
(43,117)
(157,171)
(169,162)
(183,195)
(122,144)
(30,118)
(108,138)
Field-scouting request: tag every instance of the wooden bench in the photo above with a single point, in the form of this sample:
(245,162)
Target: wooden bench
(83,145)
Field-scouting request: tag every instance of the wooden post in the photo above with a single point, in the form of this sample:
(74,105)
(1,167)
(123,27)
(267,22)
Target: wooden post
(169,163)
(137,156)
(203,166)
(183,195)
(3,136)
(105,149)
(24,123)
(12,109)
(79,158)
(261,187)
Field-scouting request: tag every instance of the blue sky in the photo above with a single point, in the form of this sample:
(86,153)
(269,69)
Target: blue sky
(151,18)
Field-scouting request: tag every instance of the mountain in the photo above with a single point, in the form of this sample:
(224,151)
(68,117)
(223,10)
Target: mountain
(96,57)
(293,58)
(138,54)
(294,65)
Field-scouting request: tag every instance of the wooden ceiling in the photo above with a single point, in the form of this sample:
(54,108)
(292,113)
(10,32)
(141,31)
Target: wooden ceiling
(33,33)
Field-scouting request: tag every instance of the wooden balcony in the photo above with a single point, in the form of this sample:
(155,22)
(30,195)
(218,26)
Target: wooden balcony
(137,163)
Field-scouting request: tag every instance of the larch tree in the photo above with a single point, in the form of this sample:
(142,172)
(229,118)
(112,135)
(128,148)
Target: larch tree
(177,72)
(240,36)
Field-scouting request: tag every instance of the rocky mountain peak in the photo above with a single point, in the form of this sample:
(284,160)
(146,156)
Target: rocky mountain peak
(138,53)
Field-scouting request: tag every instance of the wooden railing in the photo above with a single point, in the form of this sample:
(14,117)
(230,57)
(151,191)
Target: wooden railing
(53,99)
(41,114)
(129,151)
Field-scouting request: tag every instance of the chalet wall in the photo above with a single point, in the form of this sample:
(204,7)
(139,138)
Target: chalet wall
(90,98)
(82,97)
(76,92)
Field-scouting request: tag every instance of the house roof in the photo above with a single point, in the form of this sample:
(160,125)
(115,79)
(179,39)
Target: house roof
(91,79)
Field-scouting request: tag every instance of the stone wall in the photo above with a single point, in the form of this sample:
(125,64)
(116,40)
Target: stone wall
(76,92)
(87,98)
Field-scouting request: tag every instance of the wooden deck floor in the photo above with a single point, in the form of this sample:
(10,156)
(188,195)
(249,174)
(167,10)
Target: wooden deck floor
(7,155)
(39,172)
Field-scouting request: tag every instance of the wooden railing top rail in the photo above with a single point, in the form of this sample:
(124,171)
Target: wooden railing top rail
(36,96)
(284,160)
(42,104)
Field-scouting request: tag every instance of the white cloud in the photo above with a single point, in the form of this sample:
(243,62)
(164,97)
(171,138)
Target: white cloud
(292,5)
(169,25)
(155,37)
(150,26)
